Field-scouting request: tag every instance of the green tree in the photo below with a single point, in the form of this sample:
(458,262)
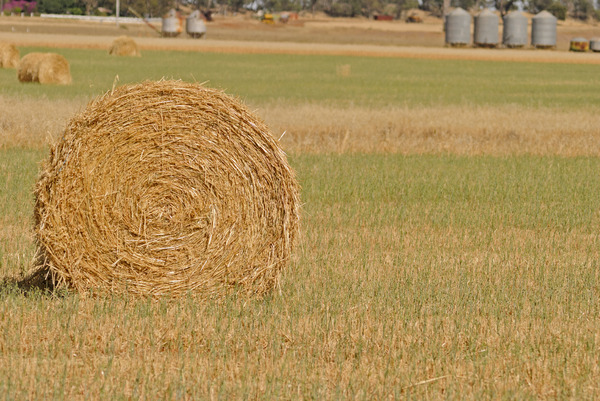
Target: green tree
(147,8)
(339,9)
(433,6)
(582,9)
(464,4)
(504,6)
(535,6)
(90,6)
(558,9)
(109,4)
(58,6)
(235,5)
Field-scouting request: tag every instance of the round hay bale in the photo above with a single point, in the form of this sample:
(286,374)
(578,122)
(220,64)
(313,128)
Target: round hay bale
(166,188)
(45,68)
(124,46)
(9,56)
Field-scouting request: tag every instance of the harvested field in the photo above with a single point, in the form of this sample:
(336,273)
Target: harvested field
(34,123)
(456,130)
(450,245)
(409,106)
(253,47)
(325,129)
(310,36)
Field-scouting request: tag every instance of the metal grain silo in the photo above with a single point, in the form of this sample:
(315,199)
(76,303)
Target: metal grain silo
(595,44)
(486,29)
(194,25)
(170,24)
(458,27)
(543,30)
(514,33)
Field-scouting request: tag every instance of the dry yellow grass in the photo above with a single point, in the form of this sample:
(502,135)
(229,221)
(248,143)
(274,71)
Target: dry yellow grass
(443,129)
(34,122)
(463,130)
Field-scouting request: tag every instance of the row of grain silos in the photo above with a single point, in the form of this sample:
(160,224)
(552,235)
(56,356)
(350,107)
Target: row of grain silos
(486,28)
(172,25)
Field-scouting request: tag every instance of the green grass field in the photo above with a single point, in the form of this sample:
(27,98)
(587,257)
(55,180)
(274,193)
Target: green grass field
(373,82)
(416,277)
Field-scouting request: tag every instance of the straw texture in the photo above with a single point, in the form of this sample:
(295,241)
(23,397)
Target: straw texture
(124,46)
(9,56)
(45,68)
(165,188)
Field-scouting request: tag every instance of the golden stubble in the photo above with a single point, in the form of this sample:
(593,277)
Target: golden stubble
(318,128)
(463,130)
(34,123)
(326,337)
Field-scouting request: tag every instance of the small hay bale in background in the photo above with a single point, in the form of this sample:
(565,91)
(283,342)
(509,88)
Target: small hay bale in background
(166,188)
(45,68)
(344,70)
(9,55)
(124,46)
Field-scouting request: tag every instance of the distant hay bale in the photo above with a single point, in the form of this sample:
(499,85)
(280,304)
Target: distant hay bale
(45,68)
(124,46)
(166,188)
(344,70)
(9,56)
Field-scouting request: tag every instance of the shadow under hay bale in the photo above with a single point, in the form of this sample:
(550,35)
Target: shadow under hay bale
(38,281)
(9,56)
(45,68)
(124,46)
(167,188)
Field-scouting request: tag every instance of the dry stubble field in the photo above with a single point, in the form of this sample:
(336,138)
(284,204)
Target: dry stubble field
(449,251)
(477,129)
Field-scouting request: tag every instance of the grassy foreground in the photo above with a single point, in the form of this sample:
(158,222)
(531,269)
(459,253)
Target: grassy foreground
(416,277)
(423,276)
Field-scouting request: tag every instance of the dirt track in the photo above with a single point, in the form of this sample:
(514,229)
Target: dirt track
(237,35)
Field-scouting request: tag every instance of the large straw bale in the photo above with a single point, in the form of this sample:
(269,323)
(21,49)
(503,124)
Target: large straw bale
(9,55)
(45,68)
(166,188)
(124,46)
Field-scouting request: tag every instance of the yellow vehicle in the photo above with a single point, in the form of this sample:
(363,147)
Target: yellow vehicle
(268,19)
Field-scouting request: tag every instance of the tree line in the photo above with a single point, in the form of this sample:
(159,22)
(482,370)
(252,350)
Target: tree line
(580,9)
